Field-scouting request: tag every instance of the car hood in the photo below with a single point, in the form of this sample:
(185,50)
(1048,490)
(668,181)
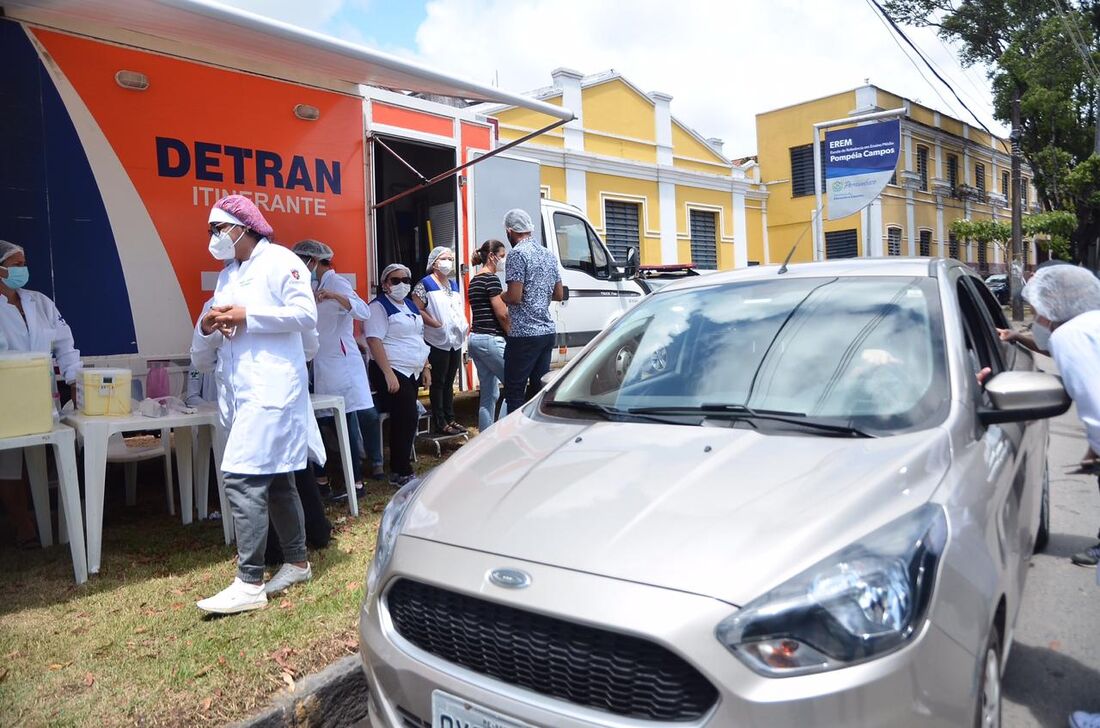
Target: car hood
(726,513)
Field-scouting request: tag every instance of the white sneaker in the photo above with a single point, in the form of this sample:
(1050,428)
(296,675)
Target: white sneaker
(240,596)
(287,576)
(1081,719)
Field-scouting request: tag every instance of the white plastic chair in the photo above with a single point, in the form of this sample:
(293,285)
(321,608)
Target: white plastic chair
(119,452)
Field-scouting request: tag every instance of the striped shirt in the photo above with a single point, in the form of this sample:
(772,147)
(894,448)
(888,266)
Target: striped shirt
(483,288)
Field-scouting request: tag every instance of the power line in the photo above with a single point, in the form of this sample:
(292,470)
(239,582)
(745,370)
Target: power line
(1078,41)
(941,79)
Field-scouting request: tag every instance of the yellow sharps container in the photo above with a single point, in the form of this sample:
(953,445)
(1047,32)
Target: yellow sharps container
(25,380)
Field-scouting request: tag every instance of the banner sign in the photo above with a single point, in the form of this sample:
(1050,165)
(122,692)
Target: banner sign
(859,161)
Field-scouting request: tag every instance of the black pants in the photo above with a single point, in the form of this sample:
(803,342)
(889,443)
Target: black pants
(401,406)
(318,528)
(526,361)
(445,363)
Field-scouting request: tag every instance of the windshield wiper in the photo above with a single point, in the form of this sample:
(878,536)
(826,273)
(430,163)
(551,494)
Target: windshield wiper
(608,412)
(743,412)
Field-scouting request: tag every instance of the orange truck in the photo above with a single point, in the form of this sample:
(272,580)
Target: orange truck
(124,120)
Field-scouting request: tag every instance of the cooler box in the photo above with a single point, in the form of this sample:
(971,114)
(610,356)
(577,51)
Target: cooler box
(26,379)
(104,391)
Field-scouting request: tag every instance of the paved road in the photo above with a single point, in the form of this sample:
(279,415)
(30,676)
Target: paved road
(1054,667)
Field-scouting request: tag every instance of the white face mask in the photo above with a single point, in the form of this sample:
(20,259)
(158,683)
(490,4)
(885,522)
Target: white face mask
(222,247)
(445,266)
(1042,336)
(400,291)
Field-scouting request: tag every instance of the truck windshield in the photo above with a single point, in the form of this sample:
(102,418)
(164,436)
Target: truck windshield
(862,352)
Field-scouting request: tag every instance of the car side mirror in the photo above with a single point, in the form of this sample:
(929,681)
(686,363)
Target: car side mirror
(1023,396)
(630,270)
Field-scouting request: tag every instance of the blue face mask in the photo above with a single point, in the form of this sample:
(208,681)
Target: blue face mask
(18,275)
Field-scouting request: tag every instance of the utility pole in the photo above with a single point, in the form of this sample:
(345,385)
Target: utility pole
(1015,267)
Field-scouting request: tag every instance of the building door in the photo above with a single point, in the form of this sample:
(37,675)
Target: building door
(622,226)
(841,244)
(704,239)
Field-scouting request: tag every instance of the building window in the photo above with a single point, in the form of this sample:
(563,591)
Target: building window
(802,170)
(952,172)
(621,223)
(841,244)
(925,243)
(704,239)
(952,246)
(1023,191)
(893,241)
(983,260)
(1004,184)
(922,166)
(979,180)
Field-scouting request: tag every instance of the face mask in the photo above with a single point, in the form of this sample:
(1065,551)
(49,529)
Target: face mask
(400,292)
(222,246)
(18,275)
(1042,336)
(445,266)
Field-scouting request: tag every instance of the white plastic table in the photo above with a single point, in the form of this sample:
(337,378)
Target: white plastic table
(94,432)
(335,402)
(69,521)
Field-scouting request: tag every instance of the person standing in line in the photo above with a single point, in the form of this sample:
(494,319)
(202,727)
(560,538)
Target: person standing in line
(263,306)
(1066,300)
(339,367)
(445,326)
(395,336)
(533,281)
(490,316)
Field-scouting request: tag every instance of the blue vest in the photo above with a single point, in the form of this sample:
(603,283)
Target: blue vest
(431,284)
(391,307)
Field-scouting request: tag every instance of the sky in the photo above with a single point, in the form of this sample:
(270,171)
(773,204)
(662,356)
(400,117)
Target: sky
(723,62)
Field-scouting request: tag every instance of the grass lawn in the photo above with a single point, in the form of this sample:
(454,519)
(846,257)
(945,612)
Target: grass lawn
(130,647)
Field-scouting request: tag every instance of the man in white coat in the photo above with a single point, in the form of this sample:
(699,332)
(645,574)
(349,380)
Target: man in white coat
(262,306)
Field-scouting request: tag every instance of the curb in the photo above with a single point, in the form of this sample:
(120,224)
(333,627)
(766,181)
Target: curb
(332,698)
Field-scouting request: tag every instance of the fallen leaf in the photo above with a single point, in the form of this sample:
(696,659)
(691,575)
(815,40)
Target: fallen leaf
(89,679)
(282,656)
(206,704)
(178,592)
(140,630)
(351,644)
(177,605)
(218,693)
(289,680)
(352,585)
(286,604)
(203,670)
(3,674)
(221,659)
(55,666)
(14,654)
(242,653)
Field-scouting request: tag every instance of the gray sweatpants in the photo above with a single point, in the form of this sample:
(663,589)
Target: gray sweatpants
(250,499)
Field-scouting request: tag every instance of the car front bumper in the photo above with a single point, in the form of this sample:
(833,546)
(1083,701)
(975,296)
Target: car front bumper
(930,682)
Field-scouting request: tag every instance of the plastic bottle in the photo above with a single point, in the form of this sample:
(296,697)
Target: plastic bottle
(156,383)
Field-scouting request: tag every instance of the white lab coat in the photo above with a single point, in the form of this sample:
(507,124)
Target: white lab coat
(339,367)
(260,373)
(1075,346)
(44,331)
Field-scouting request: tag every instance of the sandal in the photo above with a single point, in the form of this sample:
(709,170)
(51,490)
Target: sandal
(457,426)
(452,431)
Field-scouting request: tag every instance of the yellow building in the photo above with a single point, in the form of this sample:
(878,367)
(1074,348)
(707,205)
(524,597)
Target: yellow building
(641,176)
(948,170)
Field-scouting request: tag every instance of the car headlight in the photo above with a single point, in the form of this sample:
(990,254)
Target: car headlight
(388,529)
(866,600)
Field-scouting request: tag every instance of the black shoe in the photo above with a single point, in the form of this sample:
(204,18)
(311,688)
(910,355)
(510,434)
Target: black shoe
(1089,557)
(398,481)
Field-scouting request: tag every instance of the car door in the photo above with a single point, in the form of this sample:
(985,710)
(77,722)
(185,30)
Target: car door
(997,459)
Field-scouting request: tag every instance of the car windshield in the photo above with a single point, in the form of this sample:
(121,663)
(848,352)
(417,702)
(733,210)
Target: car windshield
(865,352)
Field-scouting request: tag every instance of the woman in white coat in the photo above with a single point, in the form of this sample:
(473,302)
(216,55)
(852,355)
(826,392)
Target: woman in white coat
(263,305)
(29,321)
(338,367)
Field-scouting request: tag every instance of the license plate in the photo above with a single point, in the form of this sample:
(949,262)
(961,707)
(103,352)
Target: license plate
(451,712)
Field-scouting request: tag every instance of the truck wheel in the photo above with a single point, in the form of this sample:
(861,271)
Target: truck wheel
(1042,538)
(989,689)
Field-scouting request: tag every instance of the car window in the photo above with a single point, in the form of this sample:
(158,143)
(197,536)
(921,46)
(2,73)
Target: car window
(578,246)
(865,351)
(995,316)
(976,317)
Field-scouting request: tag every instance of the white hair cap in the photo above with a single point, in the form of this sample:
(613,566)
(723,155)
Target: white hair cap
(392,267)
(1063,292)
(313,249)
(434,255)
(518,221)
(8,249)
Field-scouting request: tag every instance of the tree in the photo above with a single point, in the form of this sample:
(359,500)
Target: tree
(1051,228)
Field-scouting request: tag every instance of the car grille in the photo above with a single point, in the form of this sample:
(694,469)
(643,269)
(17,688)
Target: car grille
(608,671)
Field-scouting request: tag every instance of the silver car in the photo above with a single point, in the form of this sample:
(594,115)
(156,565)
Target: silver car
(796,506)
